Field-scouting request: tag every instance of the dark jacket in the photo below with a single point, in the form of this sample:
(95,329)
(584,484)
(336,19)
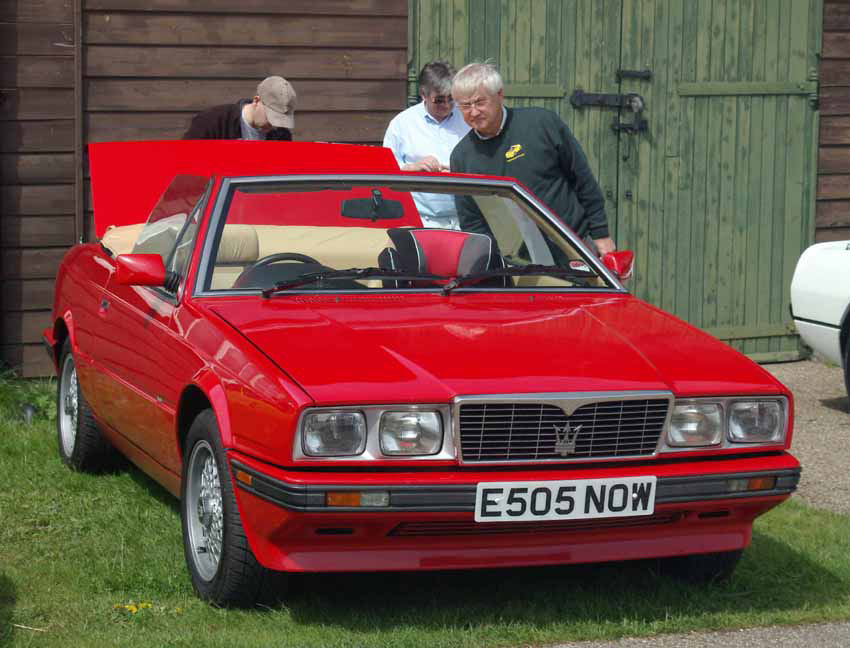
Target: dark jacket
(220,122)
(536,147)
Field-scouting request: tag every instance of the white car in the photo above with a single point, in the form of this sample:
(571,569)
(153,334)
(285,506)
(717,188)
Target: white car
(820,301)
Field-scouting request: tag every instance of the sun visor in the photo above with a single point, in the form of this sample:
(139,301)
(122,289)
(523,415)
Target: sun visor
(129,178)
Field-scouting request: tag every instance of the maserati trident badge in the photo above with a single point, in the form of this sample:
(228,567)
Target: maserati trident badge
(564,443)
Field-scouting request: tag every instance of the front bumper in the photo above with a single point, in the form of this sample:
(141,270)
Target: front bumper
(429,522)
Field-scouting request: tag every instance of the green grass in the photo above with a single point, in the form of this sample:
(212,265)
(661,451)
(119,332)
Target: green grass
(78,552)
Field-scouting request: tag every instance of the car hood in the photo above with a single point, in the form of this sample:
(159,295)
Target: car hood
(430,348)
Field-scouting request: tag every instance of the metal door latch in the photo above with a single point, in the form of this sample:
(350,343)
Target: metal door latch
(631,101)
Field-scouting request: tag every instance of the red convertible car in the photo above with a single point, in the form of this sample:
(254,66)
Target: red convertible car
(269,332)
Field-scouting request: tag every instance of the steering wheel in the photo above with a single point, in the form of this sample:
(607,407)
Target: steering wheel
(280,256)
(255,272)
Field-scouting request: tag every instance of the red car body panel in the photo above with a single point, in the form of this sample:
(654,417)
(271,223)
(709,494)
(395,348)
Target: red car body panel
(696,527)
(143,359)
(128,178)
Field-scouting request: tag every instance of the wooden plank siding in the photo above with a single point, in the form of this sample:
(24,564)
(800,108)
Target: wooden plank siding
(37,57)
(832,218)
(79,71)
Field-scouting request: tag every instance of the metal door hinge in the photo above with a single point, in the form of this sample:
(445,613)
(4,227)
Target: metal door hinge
(631,101)
(643,75)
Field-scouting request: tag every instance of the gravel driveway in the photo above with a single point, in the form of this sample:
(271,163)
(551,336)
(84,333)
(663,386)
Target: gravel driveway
(821,441)
(821,432)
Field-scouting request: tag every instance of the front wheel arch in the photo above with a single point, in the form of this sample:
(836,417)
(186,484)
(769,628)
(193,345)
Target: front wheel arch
(193,401)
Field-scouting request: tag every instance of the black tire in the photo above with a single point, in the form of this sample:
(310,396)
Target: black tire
(82,447)
(221,564)
(700,569)
(847,368)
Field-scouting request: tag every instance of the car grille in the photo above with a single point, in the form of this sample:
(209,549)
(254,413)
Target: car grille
(542,432)
(461,527)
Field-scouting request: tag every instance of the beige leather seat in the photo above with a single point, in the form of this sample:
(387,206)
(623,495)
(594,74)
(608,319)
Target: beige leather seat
(239,248)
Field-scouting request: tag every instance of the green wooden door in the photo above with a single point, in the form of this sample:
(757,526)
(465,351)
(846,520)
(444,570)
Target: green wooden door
(717,196)
(542,48)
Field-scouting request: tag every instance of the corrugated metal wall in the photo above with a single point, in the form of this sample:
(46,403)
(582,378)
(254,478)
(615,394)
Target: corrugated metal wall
(717,198)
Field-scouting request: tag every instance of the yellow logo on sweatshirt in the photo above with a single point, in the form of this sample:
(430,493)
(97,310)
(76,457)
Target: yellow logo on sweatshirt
(514,153)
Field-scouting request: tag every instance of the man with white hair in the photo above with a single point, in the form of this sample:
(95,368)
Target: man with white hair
(534,146)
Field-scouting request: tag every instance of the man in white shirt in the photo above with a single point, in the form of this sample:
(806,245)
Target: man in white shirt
(423,136)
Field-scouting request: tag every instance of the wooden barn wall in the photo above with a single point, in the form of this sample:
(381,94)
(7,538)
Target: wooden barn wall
(37,168)
(140,70)
(833,196)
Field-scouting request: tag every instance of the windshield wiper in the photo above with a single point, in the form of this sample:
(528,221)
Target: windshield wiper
(350,273)
(579,276)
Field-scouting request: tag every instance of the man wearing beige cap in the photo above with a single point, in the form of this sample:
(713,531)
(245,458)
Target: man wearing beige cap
(269,115)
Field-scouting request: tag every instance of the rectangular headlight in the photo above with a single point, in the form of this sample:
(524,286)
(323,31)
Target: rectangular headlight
(695,424)
(761,421)
(411,433)
(334,434)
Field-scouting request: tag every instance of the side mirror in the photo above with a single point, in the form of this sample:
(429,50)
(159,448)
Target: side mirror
(620,262)
(140,270)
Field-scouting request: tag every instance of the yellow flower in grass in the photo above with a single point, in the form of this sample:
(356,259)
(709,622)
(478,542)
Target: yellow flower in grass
(132,608)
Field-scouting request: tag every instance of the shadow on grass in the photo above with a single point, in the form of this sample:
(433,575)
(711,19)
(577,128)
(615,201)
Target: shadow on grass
(771,577)
(8,597)
(841,404)
(152,488)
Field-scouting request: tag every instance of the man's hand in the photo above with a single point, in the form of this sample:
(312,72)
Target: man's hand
(428,163)
(604,245)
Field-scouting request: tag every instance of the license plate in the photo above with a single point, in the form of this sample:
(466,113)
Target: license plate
(577,499)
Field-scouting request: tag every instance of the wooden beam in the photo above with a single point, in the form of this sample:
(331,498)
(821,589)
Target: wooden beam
(39,168)
(36,11)
(243,62)
(833,213)
(834,130)
(335,127)
(31,263)
(745,88)
(36,71)
(111,28)
(29,294)
(37,136)
(833,159)
(36,103)
(305,7)
(36,231)
(194,95)
(831,187)
(29,360)
(79,133)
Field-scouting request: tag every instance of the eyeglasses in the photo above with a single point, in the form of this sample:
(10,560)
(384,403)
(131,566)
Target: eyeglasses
(441,99)
(478,104)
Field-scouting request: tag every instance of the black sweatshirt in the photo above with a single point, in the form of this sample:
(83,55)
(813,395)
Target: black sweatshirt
(537,148)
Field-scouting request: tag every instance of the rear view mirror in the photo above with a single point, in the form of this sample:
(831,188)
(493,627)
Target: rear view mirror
(620,262)
(374,208)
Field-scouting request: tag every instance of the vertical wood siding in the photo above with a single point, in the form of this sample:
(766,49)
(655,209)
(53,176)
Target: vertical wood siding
(36,169)
(833,188)
(717,199)
(722,187)
(147,67)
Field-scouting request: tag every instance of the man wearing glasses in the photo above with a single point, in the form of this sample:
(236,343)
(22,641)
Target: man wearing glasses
(532,145)
(423,136)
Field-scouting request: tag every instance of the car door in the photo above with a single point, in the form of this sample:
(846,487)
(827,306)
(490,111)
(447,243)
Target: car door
(142,352)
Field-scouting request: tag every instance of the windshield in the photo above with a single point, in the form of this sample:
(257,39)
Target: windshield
(276,236)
